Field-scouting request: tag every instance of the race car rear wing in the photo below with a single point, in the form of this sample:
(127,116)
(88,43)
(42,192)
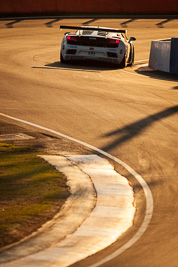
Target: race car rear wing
(93,29)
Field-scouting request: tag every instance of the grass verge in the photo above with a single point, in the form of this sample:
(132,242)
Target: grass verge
(31,192)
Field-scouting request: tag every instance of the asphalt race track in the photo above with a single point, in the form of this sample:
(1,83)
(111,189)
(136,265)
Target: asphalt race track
(131,114)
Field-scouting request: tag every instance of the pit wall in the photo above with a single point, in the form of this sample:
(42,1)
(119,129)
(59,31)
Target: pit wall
(41,7)
(164,55)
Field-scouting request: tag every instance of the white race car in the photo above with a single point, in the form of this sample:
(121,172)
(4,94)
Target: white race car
(99,44)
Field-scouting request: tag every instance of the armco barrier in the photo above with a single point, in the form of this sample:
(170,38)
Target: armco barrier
(40,7)
(164,55)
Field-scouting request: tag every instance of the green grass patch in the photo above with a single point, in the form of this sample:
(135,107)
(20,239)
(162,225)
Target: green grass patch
(31,192)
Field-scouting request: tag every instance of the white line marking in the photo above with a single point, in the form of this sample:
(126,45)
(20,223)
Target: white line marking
(139,61)
(145,187)
(133,73)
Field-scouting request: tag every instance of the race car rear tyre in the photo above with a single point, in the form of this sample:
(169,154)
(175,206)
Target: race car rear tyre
(133,54)
(62,59)
(123,63)
(131,59)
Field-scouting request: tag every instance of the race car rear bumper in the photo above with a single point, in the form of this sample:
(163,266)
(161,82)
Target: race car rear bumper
(109,59)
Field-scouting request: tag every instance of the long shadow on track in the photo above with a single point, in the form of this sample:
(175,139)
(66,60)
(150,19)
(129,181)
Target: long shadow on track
(130,131)
(155,74)
(80,65)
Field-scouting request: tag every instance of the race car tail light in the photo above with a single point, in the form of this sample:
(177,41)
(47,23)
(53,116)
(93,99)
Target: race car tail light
(113,42)
(71,39)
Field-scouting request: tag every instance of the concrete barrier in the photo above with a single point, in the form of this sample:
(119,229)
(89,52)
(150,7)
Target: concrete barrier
(41,7)
(13,7)
(149,7)
(164,55)
(91,6)
(174,56)
(160,55)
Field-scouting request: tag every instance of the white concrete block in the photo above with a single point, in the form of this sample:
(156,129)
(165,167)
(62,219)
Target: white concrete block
(160,55)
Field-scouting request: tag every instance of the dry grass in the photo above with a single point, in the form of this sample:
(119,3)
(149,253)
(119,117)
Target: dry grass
(31,192)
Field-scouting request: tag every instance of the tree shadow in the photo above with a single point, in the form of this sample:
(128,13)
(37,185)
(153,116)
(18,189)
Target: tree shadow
(50,23)
(161,24)
(130,131)
(124,24)
(175,87)
(11,24)
(90,21)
